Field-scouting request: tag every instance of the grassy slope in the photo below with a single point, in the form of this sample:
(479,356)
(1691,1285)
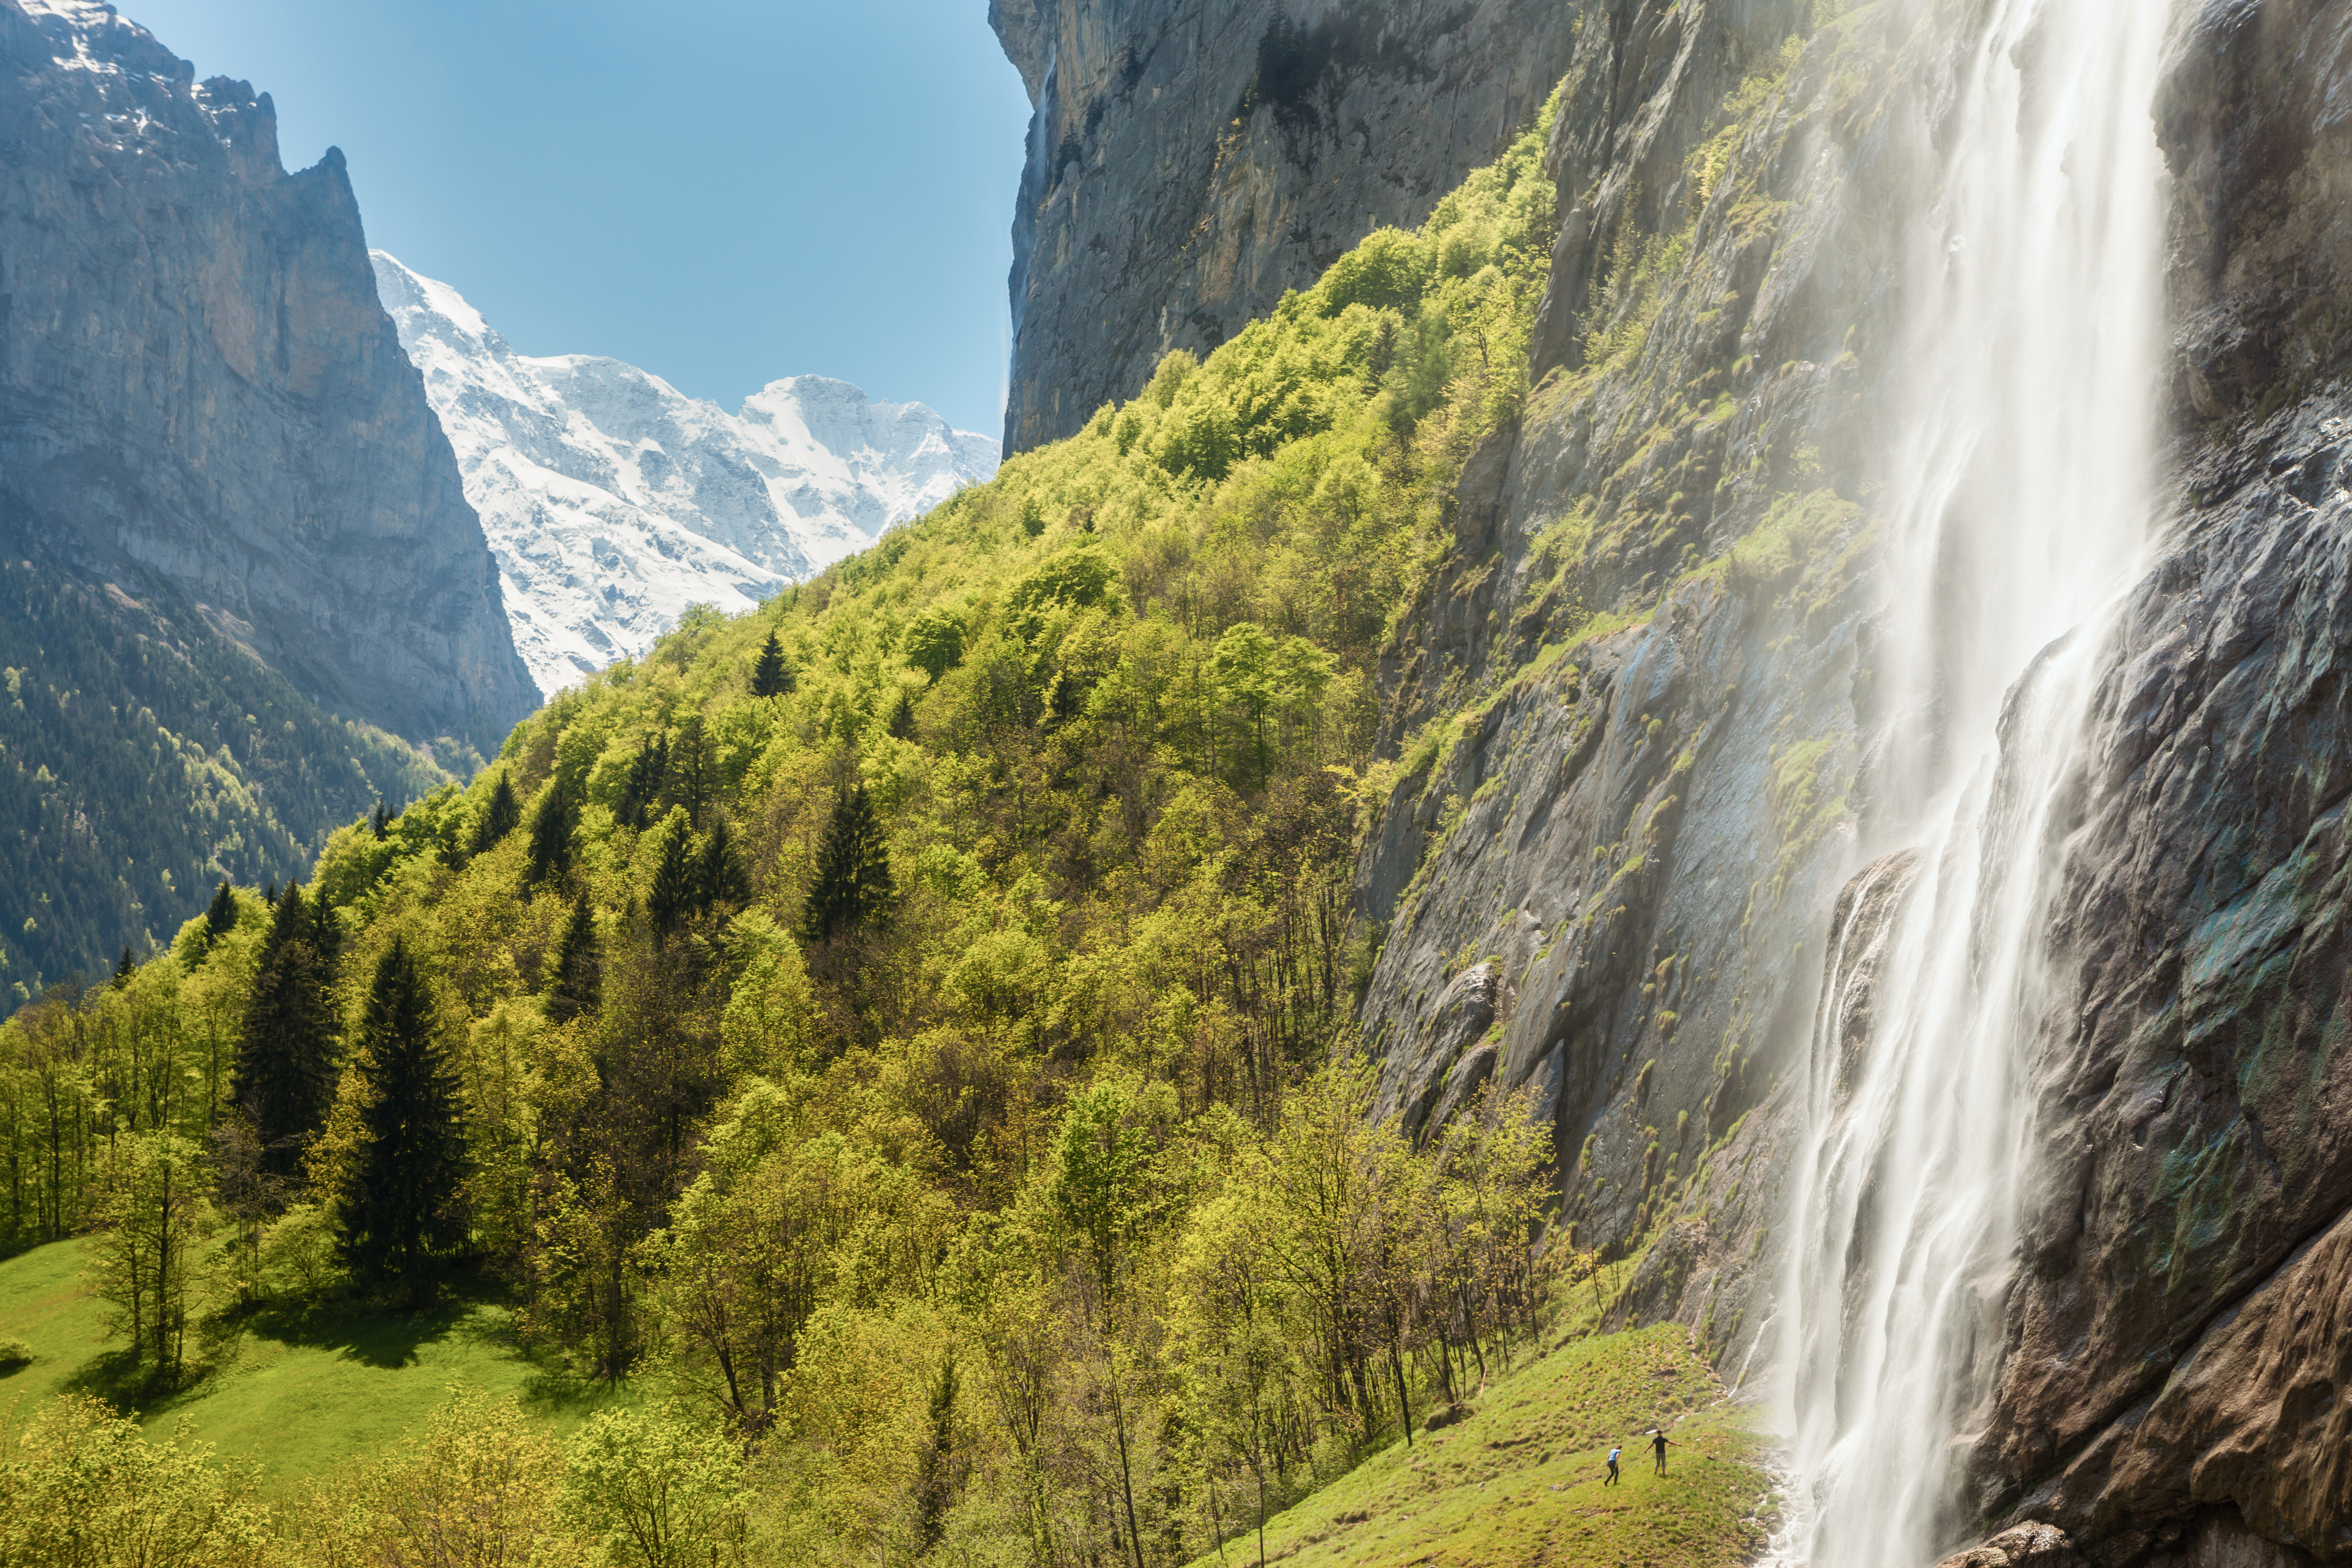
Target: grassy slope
(296,1395)
(1519,1482)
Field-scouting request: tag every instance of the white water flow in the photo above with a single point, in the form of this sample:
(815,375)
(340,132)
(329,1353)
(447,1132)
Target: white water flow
(2021,484)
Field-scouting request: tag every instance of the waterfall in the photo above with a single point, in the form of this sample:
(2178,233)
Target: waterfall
(2019,482)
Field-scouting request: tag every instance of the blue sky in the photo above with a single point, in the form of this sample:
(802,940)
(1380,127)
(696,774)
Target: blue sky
(722,190)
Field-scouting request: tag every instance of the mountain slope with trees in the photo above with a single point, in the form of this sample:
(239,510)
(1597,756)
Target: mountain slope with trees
(909,1022)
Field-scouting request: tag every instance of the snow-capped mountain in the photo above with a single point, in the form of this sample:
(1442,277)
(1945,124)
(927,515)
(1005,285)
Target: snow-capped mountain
(612,500)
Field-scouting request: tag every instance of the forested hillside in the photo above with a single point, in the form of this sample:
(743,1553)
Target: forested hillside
(144,758)
(908,1025)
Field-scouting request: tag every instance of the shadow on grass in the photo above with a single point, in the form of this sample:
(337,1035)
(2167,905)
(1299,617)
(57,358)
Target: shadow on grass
(138,1386)
(374,1332)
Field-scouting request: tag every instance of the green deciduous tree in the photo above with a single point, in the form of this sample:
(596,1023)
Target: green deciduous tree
(82,1487)
(154,1217)
(655,1493)
(933,642)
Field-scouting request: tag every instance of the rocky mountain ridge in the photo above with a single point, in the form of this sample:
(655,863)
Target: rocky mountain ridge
(247,597)
(200,386)
(611,502)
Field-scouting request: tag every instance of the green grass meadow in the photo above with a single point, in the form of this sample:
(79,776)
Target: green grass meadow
(1519,1481)
(296,1393)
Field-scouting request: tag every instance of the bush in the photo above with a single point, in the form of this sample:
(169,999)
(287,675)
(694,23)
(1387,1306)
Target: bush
(14,1356)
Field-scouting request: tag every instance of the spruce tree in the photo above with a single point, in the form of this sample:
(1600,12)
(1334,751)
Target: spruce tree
(647,773)
(771,676)
(500,818)
(285,1048)
(380,823)
(398,1205)
(720,876)
(902,717)
(551,828)
(124,971)
(675,889)
(690,768)
(576,983)
(853,871)
(220,917)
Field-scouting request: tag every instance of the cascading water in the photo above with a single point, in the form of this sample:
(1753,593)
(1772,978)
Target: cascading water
(2020,485)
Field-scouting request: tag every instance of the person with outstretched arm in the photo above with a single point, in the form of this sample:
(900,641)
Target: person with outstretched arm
(1660,1441)
(1614,1478)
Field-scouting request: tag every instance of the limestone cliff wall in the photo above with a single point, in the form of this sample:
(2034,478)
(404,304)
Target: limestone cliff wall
(198,385)
(2180,1326)
(1630,734)
(1191,160)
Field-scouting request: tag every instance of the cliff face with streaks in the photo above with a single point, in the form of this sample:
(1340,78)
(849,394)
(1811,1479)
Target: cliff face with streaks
(1633,775)
(198,385)
(248,596)
(1189,161)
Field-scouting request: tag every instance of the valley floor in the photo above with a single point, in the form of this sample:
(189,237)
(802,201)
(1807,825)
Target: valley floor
(296,1394)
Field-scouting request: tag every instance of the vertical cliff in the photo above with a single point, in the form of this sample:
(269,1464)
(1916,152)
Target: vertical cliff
(198,386)
(1189,162)
(236,563)
(1632,813)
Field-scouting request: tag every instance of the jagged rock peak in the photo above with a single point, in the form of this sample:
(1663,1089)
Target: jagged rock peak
(612,500)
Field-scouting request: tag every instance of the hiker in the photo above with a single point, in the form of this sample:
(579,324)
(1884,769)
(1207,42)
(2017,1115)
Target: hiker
(1660,1442)
(1613,1477)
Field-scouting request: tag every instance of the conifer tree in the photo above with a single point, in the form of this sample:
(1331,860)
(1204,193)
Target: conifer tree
(647,773)
(124,970)
(675,880)
(902,717)
(720,878)
(220,918)
(502,816)
(690,768)
(398,1205)
(551,828)
(771,676)
(853,871)
(380,823)
(285,1053)
(576,984)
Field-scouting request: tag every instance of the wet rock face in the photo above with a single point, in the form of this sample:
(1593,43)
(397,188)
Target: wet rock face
(197,384)
(2178,1331)
(2024,1546)
(1189,162)
(2198,1135)
(1621,803)
(1635,848)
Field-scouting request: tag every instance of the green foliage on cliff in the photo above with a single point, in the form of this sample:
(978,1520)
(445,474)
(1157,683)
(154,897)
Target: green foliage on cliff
(907,1026)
